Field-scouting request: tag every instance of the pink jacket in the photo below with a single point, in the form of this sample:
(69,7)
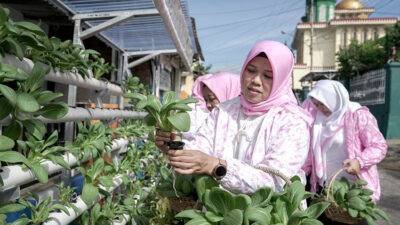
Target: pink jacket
(364,142)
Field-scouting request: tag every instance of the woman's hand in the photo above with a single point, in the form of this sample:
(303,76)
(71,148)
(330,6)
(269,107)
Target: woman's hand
(352,166)
(162,138)
(192,162)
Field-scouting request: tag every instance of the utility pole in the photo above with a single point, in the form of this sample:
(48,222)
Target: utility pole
(311,35)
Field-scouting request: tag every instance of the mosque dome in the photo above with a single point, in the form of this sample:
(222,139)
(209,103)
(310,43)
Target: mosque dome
(349,4)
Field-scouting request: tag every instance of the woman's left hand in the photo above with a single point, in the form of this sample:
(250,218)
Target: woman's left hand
(352,166)
(192,162)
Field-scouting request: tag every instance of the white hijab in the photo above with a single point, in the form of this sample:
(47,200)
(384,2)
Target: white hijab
(334,96)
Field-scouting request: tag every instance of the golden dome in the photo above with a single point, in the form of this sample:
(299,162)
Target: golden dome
(349,4)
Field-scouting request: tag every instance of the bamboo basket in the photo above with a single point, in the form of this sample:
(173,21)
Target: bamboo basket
(334,212)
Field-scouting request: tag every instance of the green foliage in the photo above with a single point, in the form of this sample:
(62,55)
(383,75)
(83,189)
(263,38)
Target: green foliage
(67,197)
(131,87)
(199,68)
(131,128)
(263,207)
(169,115)
(356,200)
(92,141)
(184,184)
(37,151)
(357,58)
(27,101)
(40,211)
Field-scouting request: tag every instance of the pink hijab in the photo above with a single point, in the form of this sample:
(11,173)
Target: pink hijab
(282,62)
(224,85)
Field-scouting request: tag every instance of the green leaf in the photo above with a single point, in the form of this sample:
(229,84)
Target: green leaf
(296,194)
(31,27)
(35,128)
(262,197)
(9,94)
(58,160)
(191,214)
(15,47)
(203,183)
(60,207)
(234,217)
(241,201)
(46,97)
(27,102)
(360,182)
(13,157)
(36,78)
(381,213)
(353,193)
(3,15)
(40,172)
(180,121)
(221,199)
(5,108)
(13,130)
(52,139)
(259,215)
(6,143)
(11,208)
(89,193)
(54,111)
(357,203)
(212,217)
(352,212)
(150,120)
(309,221)
(198,221)
(13,73)
(315,210)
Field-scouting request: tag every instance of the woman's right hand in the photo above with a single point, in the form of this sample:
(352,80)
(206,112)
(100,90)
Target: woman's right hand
(162,138)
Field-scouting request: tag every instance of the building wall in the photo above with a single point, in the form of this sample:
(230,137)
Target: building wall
(298,73)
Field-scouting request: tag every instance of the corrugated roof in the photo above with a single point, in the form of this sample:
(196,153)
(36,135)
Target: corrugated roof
(141,33)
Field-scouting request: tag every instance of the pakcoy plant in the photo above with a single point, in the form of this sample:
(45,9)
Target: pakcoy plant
(92,141)
(131,128)
(263,207)
(96,181)
(40,211)
(9,208)
(67,197)
(169,115)
(23,99)
(355,199)
(37,151)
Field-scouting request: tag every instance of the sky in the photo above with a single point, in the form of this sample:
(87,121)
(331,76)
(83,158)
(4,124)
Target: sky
(227,29)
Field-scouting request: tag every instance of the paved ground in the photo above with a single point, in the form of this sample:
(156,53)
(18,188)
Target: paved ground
(389,171)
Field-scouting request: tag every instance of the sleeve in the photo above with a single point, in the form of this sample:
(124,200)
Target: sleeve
(203,139)
(307,167)
(287,153)
(373,143)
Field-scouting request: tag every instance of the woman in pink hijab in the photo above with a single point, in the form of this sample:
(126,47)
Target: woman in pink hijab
(209,90)
(262,127)
(344,135)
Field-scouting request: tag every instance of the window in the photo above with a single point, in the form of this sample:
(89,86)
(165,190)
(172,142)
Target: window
(322,13)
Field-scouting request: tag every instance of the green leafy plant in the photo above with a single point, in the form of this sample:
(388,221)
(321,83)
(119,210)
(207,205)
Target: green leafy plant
(169,115)
(96,182)
(92,141)
(184,184)
(131,128)
(356,200)
(21,97)
(67,197)
(40,211)
(37,151)
(9,208)
(263,207)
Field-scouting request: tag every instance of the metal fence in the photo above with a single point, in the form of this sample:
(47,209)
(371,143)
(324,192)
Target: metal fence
(369,88)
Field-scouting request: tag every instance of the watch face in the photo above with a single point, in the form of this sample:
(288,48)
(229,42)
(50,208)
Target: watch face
(220,171)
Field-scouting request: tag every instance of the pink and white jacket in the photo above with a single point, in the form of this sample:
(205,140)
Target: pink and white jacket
(364,142)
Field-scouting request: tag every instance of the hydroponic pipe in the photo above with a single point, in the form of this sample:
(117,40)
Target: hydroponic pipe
(15,175)
(66,78)
(60,218)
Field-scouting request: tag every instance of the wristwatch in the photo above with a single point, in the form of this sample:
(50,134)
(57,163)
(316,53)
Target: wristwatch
(219,170)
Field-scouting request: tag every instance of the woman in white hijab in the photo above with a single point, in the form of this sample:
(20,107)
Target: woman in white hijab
(344,134)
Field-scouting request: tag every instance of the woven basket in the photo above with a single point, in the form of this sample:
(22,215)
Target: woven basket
(334,212)
(178,204)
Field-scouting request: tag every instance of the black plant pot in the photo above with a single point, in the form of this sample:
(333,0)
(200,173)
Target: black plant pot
(176,145)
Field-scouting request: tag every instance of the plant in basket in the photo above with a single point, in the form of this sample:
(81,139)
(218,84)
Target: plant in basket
(352,202)
(263,207)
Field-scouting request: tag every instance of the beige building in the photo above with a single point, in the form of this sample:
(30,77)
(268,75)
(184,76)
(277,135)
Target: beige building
(333,28)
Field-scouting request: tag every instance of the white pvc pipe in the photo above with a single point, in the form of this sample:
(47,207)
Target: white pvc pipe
(81,114)
(15,175)
(60,218)
(66,78)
